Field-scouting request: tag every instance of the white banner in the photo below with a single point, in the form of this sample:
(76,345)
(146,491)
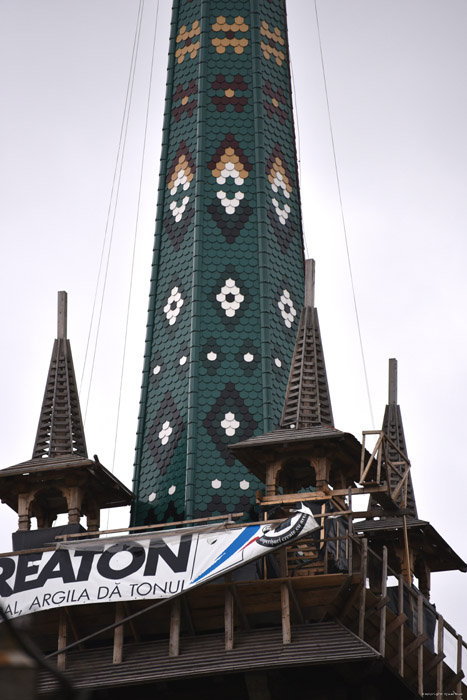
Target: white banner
(152,566)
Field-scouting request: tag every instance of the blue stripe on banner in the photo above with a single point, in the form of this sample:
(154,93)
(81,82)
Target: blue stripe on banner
(237,544)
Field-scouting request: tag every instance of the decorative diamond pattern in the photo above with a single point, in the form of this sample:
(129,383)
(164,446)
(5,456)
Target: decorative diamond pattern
(229,222)
(223,417)
(165,433)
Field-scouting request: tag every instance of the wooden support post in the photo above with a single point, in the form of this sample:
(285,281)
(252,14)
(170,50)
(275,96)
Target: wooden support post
(229,619)
(24,521)
(417,642)
(283,562)
(459,666)
(74,631)
(439,668)
(174,638)
(395,624)
(420,648)
(118,635)
(364,571)
(131,623)
(62,638)
(285,610)
(382,615)
(187,615)
(406,568)
(401,629)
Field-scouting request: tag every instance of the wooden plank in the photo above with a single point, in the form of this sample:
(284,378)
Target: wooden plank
(401,629)
(131,623)
(285,614)
(378,605)
(455,680)
(187,614)
(297,607)
(73,627)
(62,638)
(382,618)
(118,635)
(321,495)
(229,619)
(420,648)
(364,571)
(350,602)
(439,668)
(159,526)
(434,663)
(396,623)
(415,644)
(459,665)
(174,634)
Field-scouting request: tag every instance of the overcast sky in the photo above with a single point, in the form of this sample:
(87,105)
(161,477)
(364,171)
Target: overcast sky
(397,91)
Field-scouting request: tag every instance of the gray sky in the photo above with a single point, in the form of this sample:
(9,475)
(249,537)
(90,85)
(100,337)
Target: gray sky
(397,91)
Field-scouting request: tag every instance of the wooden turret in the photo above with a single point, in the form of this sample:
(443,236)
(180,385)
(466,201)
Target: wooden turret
(60,478)
(307,450)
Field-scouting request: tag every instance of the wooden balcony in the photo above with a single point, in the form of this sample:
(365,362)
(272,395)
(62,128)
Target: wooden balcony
(323,600)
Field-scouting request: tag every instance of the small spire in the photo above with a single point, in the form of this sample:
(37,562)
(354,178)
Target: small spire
(60,430)
(309,283)
(307,400)
(392,397)
(394,429)
(62,315)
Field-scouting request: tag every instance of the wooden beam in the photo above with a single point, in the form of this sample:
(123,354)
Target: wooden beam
(285,613)
(379,605)
(229,618)
(73,628)
(118,635)
(420,648)
(396,623)
(400,649)
(349,602)
(131,623)
(297,607)
(241,610)
(188,615)
(439,668)
(62,637)
(364,571)
(382,617)
(417,642)
(320,495)
(454,681)
(174,634)
(459,665)
(434,663)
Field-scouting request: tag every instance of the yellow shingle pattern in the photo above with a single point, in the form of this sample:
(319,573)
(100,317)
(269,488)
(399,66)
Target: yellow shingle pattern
(189,47)
(229,31)
(277,167)
(270,48)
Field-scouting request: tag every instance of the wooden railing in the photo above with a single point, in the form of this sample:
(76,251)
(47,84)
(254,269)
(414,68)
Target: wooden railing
(380,468)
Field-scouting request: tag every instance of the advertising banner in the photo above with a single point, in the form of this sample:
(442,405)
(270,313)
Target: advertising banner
(152,566)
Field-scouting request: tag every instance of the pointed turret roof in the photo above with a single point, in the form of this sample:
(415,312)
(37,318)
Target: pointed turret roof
(392,426)
(60,431)
(60,460)
(307,401)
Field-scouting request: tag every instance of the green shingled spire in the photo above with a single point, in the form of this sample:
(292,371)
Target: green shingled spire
(227,275)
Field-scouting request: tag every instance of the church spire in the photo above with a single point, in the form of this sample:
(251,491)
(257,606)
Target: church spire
(227,275)
(394,429)
(60,431)
(308,402)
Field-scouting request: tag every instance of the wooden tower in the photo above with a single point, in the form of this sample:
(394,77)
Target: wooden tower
(60,478)
(334,616)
